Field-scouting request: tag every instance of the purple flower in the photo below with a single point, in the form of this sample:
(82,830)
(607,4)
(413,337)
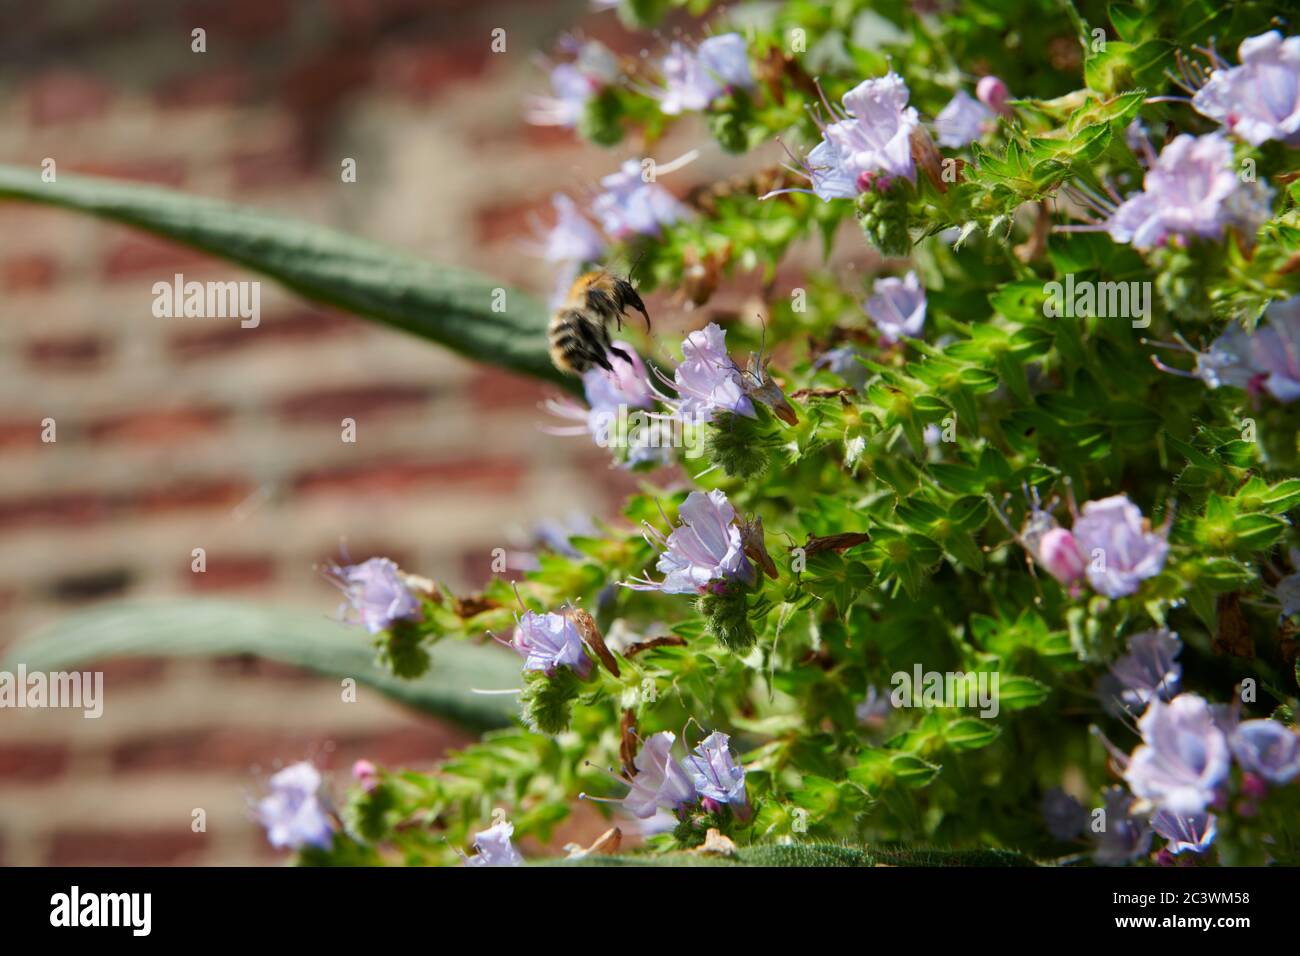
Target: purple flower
(550,641)
(874,709)
(1194,832)
(964,120)
(1287,593)
(707,380)
(1118,545)
(1268,358)
(1185,193)
(1268,749)
(628,385)
(706,547)
(1058,553)
(1183,756)
(897,307)
(1259,100)
(874,134)
(993,93)
(844,362)
(292,812)
(630,206)
(695,78)
(1126,836)
(493,847)
(365,773)
(376,593)
(572,239)
(660,782)
(1149,670)
(1065,816)
(573,84)
(717,775)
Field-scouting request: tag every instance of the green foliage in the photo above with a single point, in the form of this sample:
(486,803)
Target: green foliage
(892,512)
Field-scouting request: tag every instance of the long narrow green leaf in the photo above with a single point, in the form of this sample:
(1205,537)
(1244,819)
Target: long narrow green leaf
(211,628)
(467,312)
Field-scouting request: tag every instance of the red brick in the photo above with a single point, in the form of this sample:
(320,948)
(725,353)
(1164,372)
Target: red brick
(398,475)
(32,762)
(31,271)
(213,88)
(317,84)
(231,573)
(513,219)
(157,172)
(334,404)
(132,671)
(193,495)
(422,72)
(301,326)
(74,353)
(494,389)
(138,254)
(63,96)
(174,844)
(68,508)
(21,434)
(157,427)
(263,168)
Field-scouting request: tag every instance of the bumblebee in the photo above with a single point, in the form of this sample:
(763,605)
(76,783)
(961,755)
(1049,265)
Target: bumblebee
(579,329)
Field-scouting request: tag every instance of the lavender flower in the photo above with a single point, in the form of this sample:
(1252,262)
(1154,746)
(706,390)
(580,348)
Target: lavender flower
(897,307)
(1194,832)
(695,78)
(1065,816)
(660,782)
(1126,836)
(1148,671)
(707,380)
(1259,100)
(573,85)
(629,206)
(705,548)
(1183,756)
(874,134)
(550,641)
(494,848)
(1185,193)
(1118,545)
(376,594)
(964,120)
(1268,358)
(717,776)
(292,812)
(572,239)
(874,709)
(843,361)
(1268,749)
(1058,553)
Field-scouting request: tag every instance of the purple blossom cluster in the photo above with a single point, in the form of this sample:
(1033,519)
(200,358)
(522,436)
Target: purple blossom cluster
(548,642)
(710,777)
(293,812)
(704,552)
(376,594)
(1111,546)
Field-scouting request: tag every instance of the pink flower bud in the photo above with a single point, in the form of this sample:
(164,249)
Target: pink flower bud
(1253,787)
(364,772)
(993,93)
(1059,555)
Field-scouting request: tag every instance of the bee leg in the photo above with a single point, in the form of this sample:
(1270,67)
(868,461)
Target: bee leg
(621,354)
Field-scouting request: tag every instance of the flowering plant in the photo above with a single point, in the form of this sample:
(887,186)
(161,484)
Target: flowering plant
(988,557)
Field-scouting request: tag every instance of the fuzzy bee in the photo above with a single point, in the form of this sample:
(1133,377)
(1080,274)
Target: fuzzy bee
(579,329)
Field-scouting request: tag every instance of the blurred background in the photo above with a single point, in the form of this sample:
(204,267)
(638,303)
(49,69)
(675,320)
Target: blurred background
(180,433)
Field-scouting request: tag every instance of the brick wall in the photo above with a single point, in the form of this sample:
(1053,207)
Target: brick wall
(184,433)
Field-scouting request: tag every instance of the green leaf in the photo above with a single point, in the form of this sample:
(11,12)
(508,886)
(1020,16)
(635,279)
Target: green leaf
(1018,693)
(969,733)
(211,628)
(454,307)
